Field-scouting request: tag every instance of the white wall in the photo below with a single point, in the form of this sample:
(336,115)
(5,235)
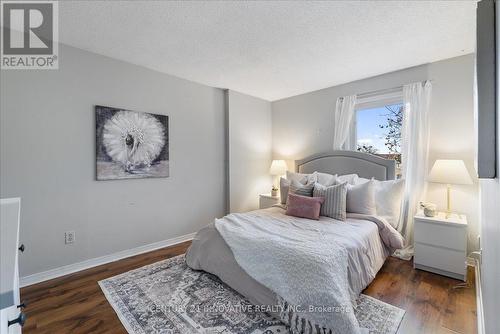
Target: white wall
(490,229)
(47,150)
(452,135)
(490,245)
(249,140)
(303,124)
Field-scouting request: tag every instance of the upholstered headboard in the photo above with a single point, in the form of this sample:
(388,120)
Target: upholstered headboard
(348,162)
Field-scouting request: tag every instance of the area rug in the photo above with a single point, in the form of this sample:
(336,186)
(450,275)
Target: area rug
(168,297)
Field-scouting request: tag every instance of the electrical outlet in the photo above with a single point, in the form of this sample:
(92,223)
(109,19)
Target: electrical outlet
(69,237)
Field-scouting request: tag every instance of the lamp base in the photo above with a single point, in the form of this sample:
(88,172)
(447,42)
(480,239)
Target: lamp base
(448,201)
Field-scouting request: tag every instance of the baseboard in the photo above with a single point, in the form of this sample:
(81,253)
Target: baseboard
(479,299)
(79,266)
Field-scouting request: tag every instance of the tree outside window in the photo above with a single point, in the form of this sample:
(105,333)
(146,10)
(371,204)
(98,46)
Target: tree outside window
(379,132)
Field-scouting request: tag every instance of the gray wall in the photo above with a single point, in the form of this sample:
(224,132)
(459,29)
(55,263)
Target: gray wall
(48,159)
(303,124)
(250,150)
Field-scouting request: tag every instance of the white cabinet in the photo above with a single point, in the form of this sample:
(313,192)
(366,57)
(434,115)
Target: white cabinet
(9,314)
(9,270)
(441,245)
(267,201)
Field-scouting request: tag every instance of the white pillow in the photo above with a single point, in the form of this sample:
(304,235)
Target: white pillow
(302,178)
(326,179)
(284,187)
(361,198)
(361,180)
(388,198)
(349,178)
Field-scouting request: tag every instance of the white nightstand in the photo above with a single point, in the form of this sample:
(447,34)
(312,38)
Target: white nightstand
(441,245)
(267,201)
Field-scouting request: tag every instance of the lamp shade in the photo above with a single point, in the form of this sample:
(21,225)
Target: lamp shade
(449,172)
(278,167)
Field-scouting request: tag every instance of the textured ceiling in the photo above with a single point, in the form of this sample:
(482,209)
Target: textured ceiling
(272,49)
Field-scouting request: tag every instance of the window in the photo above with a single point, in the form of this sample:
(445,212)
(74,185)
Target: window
(378,131)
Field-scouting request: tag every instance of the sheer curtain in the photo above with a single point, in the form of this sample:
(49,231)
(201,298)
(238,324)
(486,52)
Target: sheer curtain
(344,128)
(414,148)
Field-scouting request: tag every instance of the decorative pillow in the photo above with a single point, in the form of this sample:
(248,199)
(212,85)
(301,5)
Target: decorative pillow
(349,178)
(388,199)
(284,187)
(300,177)
(361,180)
(298,188)
(305,207)
(335,200)
(361,198)
(326,179)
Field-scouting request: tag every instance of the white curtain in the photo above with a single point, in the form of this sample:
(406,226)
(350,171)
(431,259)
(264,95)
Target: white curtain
(414,148)
(344,127)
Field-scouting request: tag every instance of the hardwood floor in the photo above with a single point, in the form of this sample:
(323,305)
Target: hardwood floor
(433,303)
(75,303)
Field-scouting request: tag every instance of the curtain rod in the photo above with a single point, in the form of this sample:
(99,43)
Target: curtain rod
(384,91)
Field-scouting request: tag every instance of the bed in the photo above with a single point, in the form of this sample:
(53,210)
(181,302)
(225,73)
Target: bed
(360,236)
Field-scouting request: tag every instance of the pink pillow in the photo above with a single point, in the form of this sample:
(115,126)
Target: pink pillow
(303,206)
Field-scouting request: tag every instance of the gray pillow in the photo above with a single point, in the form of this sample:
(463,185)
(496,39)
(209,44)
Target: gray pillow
(300,180)
(298,188)
(335,196)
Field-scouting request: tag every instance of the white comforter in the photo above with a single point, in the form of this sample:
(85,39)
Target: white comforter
(305,263)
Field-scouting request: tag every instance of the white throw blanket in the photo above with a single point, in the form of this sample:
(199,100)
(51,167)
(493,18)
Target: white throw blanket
(306,268)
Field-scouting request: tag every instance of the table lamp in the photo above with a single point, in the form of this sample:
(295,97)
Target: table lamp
(449,172)
(278,168)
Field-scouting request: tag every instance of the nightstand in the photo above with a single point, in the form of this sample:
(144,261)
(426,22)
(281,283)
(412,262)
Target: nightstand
(267,201)
(441,244)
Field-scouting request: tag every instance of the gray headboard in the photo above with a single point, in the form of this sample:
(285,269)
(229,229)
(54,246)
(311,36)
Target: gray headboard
(348,162)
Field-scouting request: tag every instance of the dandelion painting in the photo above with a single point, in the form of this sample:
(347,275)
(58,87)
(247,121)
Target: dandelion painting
(130,144)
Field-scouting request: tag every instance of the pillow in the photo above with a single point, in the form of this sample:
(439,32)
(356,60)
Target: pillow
(301,189)
(305,207)
(388,198)
(284,186)
(335,197)
(361,198)
(361,180)
(349,178)
(300,177)
(326,179)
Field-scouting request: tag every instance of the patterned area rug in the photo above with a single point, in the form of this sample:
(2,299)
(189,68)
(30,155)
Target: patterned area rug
(168,297)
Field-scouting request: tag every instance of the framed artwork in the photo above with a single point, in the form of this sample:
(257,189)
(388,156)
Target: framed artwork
(130,144)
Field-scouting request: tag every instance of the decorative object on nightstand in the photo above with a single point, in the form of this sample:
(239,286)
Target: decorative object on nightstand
(430,209)
(449,172)
(278,168)
(441,244)
(267,201)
